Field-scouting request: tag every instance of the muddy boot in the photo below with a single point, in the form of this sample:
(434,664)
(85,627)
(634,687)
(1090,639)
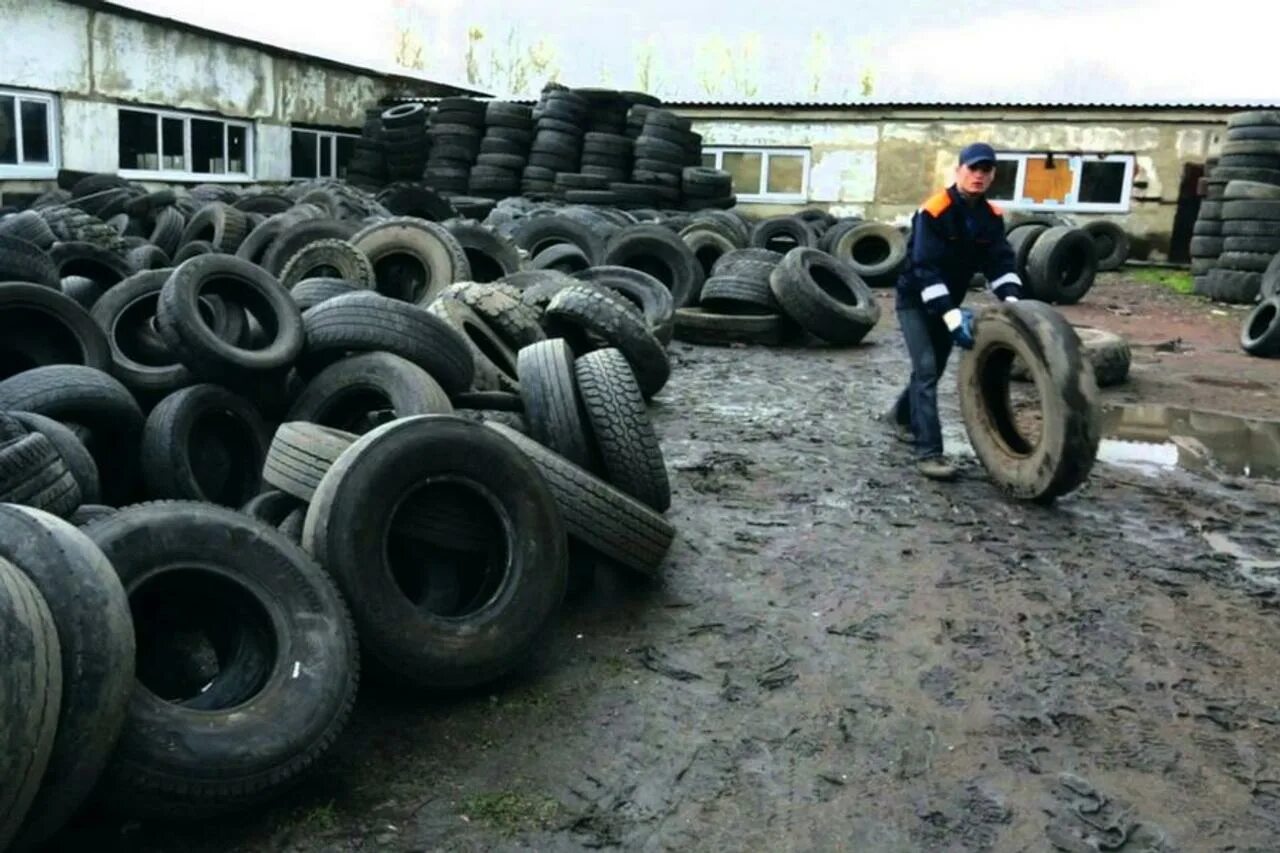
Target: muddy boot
(936,468)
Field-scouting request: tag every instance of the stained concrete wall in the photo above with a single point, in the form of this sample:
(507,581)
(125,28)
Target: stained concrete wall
(882,162)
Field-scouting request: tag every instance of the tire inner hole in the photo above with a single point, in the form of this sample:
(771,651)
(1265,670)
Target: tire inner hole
(204,641)
(491,349)
(870,250)
(447,549)
(832,285)
(1016,410)
(484,266)
(1262,321)
(30,338)
(356,408)
(401,275)
(224,458)
(263,327)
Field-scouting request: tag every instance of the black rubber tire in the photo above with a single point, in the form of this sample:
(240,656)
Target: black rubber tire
(94,400)
(33,473)
(825,296)
(1206,247)
(260,239)
(21,260)
(698,326)
(565,258)
(747,263)
(596,514)
(85,292)
(582,312)
(41,326)
(204,443)
(196,343)
(1071,429)
(783,233)
(875,250)
(708,244)
(629,451)
(96,649)
(86,514)
(538,233)
(300,455)
(30,694)
(1062,265)
(643,290)
(126,314)
(1269,286)
(1022,240)
(662,254)
(1268,209)
(1246,261)
(501,401)
(298,234)
(498,304)
(196,568)
(1111,243)
(726,294)
(1247,190)
(1108,353)
(85,259)
(417,200)
(28,226)
(365,321)
(1236,288)
(334,258)
(148,257)
(1250,228)
(311,292)
(166,232)
(346,394)
(1268,245)
(399,629)
(84,470)
(553,407)
(192,250)
(220,225)
(413,260)
(489,256)
(1260,334)
(272,507)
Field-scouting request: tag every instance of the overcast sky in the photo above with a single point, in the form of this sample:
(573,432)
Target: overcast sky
(786,50)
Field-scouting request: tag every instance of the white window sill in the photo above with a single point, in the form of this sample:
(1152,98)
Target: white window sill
(772,199)
(1062,208)
(183,177)
(28,173)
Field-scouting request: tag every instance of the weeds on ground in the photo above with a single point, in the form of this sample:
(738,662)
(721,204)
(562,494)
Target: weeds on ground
(1178,281)
(511,811)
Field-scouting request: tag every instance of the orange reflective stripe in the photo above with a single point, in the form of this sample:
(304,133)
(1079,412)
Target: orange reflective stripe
(937,204)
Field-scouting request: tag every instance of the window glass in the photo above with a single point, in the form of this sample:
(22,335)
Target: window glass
(237,149)
(326,156)
(1101,182)
(207,155)
(35,131)
(303,154)
(8,131)
(745,169)
(709,160)
(138,140)
(786,174)
(1005,181)
(346,150)
(172,144)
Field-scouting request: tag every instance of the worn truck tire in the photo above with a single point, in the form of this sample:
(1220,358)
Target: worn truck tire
(194,571)
(524,576)
(300,454)
(311,292)
(1232,287)
(30,694)
(348,394)
(220,225)
(40,326)
(1260,334)
(299,233)
(699,326)
(553,406)
(489,256)
(1061,265)
(598,515)
(96,649)
(629,451)
(500,306)
(21,260)
(72,450)
(655,250)
(1063,457)
(1111,243)
(328,259)
(584,311)
(825,296)
(366,321)
(32,473)
(643,290)
(413,259)
(539,233)
(726,294)
(875,250)
(104,266)
(783,233)
(495,362)
(204,443)
(1022,239)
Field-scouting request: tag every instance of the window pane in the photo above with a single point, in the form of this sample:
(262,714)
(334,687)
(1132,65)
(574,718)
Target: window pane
(1101,183)
(326,156)
(172,146)
(8,133)
(745,168)
(35,132)
(304,154)
(207,156)
(346,149)
(1005,181)
(786,174)
(237,149)
(709,161)
(138,140)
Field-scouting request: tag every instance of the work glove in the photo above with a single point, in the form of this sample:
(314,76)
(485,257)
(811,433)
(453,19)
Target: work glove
(960,323)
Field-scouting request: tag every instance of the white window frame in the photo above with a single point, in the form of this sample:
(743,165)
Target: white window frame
(33,171)
(1076,162)
(761,193)
(331,136)
(186,174)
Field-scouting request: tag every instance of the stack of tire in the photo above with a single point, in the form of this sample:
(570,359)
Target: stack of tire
(404,141)
(342,357)
(1237,232)
(504,150)
(663,148)
(457,125)
(559,119)
(368,166)
(606,160)
(1058,263)
(704,187)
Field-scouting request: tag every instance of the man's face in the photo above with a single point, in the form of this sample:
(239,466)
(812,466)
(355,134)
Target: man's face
(975,179)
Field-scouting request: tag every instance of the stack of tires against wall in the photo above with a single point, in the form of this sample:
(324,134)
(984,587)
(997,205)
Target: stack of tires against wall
(1237,233)
(404,141)
(288,439)
(368,165)
(504,150)
(1057,262)
(455,130)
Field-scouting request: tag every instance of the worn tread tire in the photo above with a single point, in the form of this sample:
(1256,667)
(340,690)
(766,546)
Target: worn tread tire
(661,253)
(41,326)
(801,285)
(413,259)
(699,326)
(34,474)
(643,290)
(1260,333)
(1111,242)
(553,406)
(404,387)
(72,450)
(581,311)
(300,454)
(348,263)
(499,305)
(1058,253)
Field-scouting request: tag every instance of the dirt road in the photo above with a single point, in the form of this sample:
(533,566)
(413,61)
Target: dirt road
(847,657)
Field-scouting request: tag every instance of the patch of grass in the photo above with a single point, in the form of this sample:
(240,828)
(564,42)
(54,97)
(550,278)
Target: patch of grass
(318,819)
(1176,280)
(511,811)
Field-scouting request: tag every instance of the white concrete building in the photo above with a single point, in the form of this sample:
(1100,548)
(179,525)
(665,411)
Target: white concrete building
(95,87)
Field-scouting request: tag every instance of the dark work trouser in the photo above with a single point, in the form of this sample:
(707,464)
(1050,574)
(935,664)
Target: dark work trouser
(929,344)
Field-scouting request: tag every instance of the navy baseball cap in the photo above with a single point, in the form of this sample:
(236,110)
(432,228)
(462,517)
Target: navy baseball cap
(977,152)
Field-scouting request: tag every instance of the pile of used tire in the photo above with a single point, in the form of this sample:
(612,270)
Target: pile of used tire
(229,482)
(1237,231)
(1057,261)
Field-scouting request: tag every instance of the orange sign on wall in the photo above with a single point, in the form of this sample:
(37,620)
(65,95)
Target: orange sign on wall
(1043,183)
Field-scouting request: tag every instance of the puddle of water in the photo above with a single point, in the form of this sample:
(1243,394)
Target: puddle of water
(1156,438)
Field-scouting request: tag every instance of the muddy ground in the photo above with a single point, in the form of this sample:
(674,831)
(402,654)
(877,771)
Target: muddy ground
(844,656)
